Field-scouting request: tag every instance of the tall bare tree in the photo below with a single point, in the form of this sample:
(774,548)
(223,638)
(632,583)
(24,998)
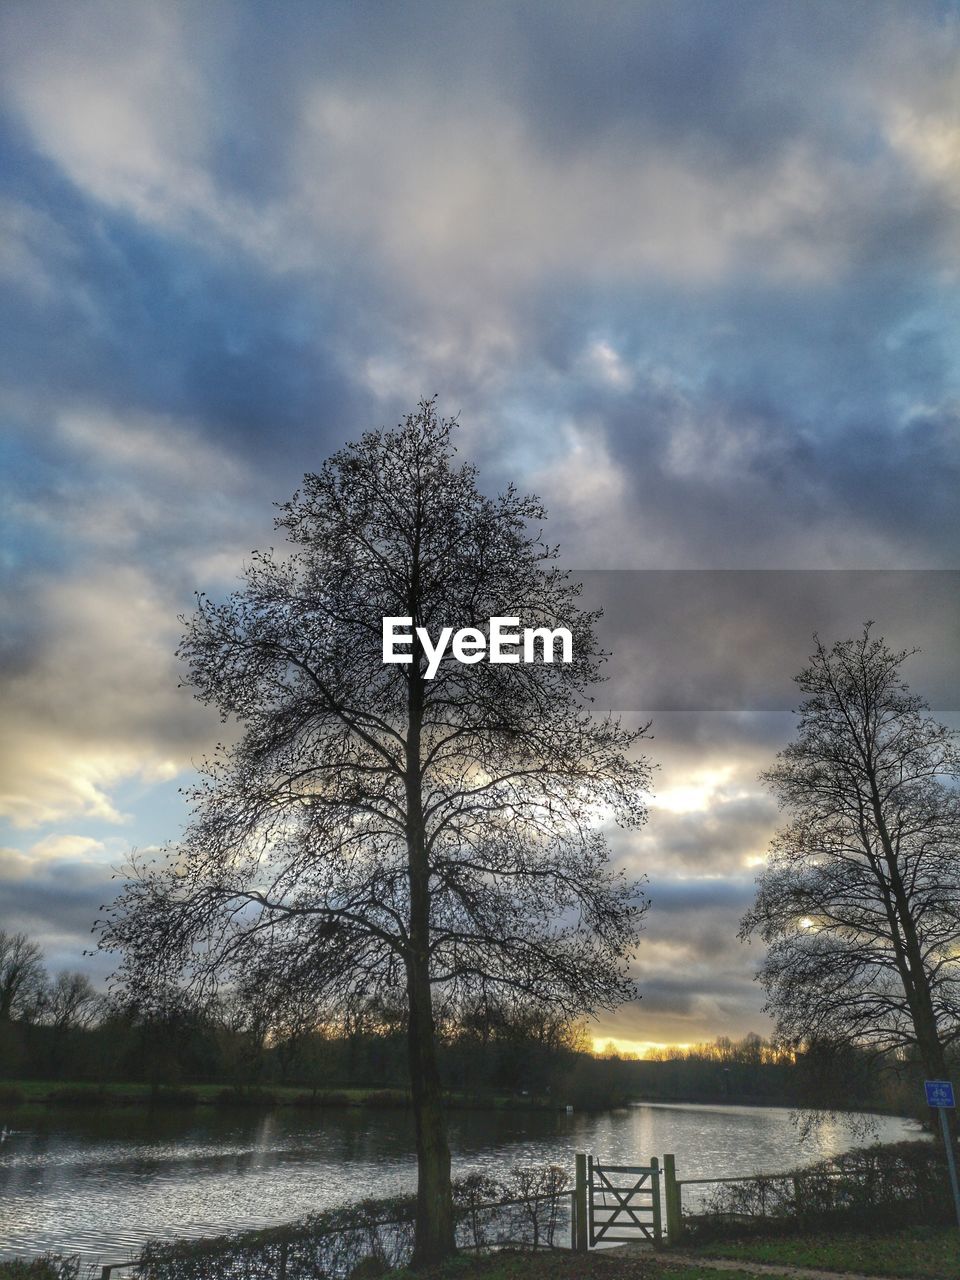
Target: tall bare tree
(860,900)
(376,830)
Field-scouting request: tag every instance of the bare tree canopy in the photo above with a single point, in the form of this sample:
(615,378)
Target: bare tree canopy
(375,831)
(70,1001)
(860,901)
(22,976)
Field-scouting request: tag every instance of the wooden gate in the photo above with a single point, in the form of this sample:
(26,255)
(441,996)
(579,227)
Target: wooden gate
(624,1202)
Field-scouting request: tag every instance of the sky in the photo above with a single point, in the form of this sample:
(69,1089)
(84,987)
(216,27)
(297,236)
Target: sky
(688,271)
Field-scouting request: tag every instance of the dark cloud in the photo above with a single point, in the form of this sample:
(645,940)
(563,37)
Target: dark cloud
(56,901)
(730,641)
(697,895)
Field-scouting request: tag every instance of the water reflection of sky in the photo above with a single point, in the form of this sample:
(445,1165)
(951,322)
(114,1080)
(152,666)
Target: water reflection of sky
(102,1185)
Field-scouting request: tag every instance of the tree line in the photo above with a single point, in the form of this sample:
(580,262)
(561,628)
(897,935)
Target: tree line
(58,1028)
(38,1008)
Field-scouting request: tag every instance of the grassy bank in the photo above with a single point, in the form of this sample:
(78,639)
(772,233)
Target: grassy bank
(88,1094)
(501,1266)
(914,1254)
(602,1265)
(913,1251)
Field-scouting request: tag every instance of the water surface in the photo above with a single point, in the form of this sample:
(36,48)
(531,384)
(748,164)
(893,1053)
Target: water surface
(102,1184)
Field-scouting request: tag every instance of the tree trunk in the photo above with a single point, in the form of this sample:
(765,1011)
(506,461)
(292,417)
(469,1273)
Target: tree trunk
(434,1221)
(434,1238)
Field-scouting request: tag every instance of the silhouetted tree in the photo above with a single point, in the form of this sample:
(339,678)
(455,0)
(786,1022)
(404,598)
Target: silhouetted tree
(70,1001)
(376,831)
(22,976)
(860,901)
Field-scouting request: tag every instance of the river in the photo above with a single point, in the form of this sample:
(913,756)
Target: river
(101,1184)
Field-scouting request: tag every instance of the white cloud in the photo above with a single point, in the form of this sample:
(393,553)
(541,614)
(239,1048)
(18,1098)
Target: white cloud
(98,701)
(66,846)
(445,191)
(150,447)
(590,494)
(604,363)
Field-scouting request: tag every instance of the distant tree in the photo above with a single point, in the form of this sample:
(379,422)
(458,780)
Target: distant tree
(22,976)
(373,831)
(860,901)
(70,1001)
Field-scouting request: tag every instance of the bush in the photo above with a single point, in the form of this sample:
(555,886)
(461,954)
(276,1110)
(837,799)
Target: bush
(386,1098)
(323,1245)
(237,1096)
(79,1096)
(370,1238)
(895,1185)
(11,1096)
(327,1099)
(49,1266)
(167,1096)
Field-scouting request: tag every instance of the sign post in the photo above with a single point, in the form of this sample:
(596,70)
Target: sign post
(940,1095)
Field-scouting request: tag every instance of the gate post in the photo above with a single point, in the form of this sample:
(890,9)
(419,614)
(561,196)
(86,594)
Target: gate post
(655,1186)
(671,1190)
(580,1205)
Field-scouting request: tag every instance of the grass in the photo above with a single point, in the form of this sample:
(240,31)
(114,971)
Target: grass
(86,1093)
(932,1252)
(926,1252)
(502,1266)
(602,1265)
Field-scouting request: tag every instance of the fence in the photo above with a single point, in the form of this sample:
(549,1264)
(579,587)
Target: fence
(898,1184)
(607,1204)
(330,1245)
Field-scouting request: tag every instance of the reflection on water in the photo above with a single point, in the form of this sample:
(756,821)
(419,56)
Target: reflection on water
(101,1185)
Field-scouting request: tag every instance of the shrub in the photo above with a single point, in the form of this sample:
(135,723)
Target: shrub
(49,1266)
(77,1095)
(327,1099)
(11,1096)
(386,1098)
(323,1245)
(237,1096)
(166,1096)
(889,1185)
(367,1239)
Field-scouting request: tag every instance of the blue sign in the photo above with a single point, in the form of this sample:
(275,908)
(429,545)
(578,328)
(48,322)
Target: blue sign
(939,1093)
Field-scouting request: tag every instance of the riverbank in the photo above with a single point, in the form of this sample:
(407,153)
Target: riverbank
(93,1096)
(921,1253)
(87,1094)
(910,1252)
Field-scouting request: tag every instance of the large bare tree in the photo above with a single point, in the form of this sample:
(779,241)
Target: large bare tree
(860,901)
(375,830)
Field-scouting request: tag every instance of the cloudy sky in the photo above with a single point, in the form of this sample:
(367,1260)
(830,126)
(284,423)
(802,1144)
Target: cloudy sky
(688,270)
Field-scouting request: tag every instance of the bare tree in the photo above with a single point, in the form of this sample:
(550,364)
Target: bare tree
(376,831)
(22,976)
(860,900)
(70,1001)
